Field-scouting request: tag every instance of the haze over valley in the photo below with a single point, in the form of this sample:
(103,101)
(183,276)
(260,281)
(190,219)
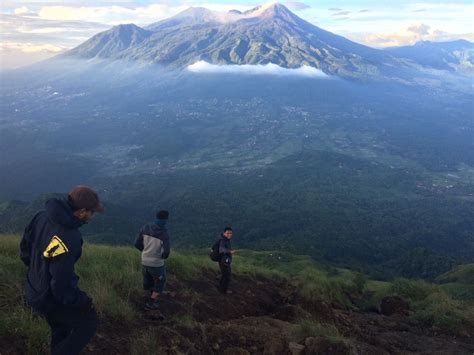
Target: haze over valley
(302,139)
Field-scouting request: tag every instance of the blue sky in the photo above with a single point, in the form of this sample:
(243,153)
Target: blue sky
(34,30)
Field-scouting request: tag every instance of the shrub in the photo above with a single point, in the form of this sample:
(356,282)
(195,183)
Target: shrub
(413,290)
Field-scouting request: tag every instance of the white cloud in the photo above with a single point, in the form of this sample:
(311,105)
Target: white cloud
(296,5)
(267,69)
(30,47)
(48,30)
(21,10)
(14,55)
(112,15)
(412,34)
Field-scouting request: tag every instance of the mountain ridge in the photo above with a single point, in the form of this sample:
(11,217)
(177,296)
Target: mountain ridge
(265,34)
(454,56)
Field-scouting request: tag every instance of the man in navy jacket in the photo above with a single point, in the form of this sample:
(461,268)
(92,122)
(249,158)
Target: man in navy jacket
(225,260)
(50,247)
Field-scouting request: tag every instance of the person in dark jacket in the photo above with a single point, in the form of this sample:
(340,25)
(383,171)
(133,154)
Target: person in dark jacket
(50,247)
(154,243)
(225,260)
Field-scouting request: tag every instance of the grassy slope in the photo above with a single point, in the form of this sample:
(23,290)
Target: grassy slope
(112,276)
(459,282)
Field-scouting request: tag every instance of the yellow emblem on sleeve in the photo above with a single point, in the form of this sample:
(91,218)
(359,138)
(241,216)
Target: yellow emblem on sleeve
(55,247)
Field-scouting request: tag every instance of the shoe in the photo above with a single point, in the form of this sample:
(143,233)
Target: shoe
(152,305)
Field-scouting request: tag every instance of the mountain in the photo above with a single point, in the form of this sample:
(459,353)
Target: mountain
(265,34)
(453,56)
(108,43)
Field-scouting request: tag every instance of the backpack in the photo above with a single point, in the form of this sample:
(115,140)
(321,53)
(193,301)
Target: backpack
(214,255)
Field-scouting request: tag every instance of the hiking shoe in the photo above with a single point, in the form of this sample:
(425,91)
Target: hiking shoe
(228,292)
(152,305)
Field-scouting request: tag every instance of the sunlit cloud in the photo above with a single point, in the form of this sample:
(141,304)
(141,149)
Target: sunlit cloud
(30,47)
(412,34)
(267,69)
(14,55)
(21,10)
(112,15)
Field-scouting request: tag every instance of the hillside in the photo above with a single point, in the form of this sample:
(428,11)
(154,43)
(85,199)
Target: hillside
(386,221)
(459,282)
(281,303)
(451,56)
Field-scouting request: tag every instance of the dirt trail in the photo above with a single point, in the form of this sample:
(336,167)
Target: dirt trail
(261,316)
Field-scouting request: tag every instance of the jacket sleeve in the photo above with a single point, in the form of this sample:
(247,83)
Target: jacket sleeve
(224,247)
(64,280)
(166,246)
(25,250)
(139,241)
(26,242)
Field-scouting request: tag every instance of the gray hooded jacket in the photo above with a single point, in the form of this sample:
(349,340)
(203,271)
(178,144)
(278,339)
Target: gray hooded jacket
(154,243)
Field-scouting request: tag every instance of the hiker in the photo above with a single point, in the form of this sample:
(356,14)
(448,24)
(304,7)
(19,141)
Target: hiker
(225,260)
(154,243)
(50,247)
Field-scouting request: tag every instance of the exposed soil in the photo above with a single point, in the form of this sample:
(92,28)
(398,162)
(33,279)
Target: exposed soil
(260,317)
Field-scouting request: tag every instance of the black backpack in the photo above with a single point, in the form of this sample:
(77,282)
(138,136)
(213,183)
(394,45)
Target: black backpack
(214,255)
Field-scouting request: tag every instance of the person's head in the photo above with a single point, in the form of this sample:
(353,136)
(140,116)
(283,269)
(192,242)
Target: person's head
(84,202)
(162,215)
(227,233)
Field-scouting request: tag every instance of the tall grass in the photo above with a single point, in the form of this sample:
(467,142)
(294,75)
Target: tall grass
(16,321)
(112,275)
(431,305)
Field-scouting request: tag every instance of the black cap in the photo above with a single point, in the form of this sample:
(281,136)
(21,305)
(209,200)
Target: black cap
(163,214)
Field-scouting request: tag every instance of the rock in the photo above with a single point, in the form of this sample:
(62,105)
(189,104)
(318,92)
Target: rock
(391,305)
(289,313)
(235,351)
(295,348)
(321,345)
(274,347)
(242,340)
(216,346)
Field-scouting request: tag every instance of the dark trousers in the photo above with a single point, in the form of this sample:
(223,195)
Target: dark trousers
(226,272)
(154,278)
(71,329)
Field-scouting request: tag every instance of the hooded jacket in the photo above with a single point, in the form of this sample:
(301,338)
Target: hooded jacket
(50,247)
(154,243)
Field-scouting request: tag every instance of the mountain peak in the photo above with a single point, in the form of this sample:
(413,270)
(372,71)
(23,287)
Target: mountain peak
(198,13)
(268,10)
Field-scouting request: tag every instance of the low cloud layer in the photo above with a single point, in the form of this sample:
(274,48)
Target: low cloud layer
(267,69)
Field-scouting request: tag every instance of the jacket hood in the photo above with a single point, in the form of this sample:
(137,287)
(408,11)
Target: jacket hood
(154,230)
(60,212)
